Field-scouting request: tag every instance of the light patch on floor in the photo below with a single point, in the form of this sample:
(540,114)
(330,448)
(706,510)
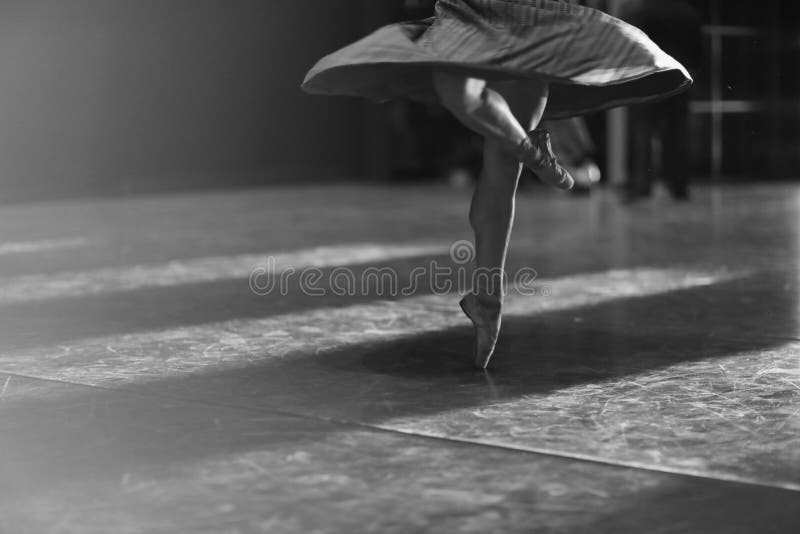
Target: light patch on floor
(139,357)
(43,245)
(66,284)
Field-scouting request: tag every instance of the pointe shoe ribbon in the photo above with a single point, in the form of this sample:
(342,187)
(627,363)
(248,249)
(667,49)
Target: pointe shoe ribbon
(536,153)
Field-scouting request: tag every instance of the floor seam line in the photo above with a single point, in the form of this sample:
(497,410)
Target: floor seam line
(444,439)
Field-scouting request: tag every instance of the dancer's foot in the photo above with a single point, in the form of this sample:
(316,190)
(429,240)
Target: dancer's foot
(485,316)
(536,153)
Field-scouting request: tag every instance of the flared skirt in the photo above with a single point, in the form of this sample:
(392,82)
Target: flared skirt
(592,60)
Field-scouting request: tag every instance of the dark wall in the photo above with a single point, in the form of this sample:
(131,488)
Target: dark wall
(100,96)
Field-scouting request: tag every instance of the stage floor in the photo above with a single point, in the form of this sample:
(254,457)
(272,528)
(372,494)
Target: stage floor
(649,383)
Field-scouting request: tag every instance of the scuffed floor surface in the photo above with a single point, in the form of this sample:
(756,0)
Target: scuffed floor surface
(648,379)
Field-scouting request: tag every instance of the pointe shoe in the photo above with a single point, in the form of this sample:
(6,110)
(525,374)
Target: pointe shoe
(485,316)
(536,153)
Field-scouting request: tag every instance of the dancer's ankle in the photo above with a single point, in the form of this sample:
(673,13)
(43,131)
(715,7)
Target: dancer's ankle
(528,152)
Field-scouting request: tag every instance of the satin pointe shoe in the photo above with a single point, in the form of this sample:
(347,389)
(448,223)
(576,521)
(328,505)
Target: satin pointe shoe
(536,153)
(485,316)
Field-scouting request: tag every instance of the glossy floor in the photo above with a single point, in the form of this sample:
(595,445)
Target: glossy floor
(152,380)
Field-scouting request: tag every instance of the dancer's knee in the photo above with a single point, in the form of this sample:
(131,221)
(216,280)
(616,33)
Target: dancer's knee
(460,94)
(526,98)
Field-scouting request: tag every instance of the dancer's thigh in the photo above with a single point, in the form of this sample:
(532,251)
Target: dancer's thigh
(457,91)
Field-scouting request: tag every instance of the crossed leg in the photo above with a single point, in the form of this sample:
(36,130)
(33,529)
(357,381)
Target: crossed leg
(502,112)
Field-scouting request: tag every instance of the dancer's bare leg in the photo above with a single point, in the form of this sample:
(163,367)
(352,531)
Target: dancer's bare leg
(492,210)
(481,108)
(491,216)
(487,109)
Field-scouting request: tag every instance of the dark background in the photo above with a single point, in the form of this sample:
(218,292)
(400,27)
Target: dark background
(120,96)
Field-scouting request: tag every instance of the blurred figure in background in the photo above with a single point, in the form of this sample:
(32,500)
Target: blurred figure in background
(659,132)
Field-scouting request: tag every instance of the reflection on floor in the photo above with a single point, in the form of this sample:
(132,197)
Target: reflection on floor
(152,380)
